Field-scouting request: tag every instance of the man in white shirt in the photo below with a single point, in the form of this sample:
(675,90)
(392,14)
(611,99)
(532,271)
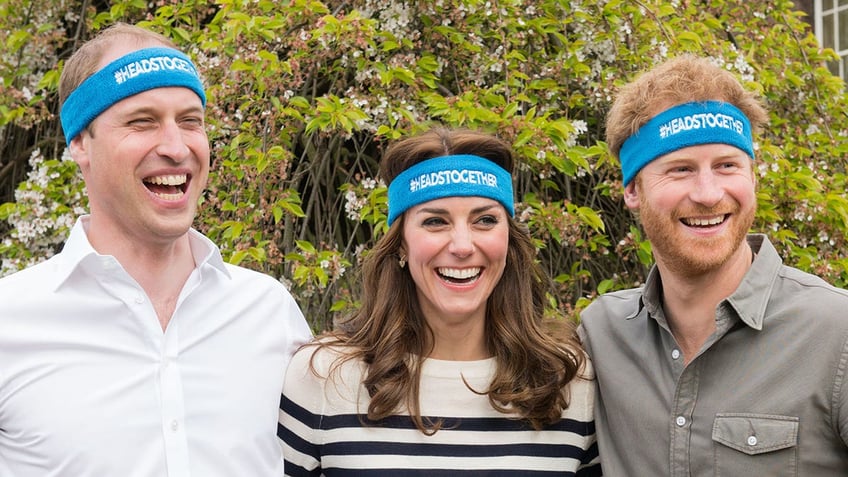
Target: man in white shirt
(137,351)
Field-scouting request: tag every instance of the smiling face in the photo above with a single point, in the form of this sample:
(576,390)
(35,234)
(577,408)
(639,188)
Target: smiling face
(696,206)
(145,161)
(456,249)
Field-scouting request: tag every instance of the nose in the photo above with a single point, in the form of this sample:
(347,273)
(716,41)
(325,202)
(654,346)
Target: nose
(171,143)
(462,241)
(707,189)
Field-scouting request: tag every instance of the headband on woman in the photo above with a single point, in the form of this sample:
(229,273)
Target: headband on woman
(450,176)
(130,74)
(684,125)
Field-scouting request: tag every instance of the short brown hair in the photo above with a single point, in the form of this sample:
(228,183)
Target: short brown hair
(683,79)
(83,63)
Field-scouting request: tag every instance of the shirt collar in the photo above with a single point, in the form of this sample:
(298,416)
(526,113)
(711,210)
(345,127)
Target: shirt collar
(78,250)
(751,296)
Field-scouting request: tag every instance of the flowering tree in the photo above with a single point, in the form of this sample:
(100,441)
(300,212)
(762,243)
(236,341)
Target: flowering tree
(304,96)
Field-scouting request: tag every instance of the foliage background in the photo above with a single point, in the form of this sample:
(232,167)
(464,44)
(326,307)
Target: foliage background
(304,95)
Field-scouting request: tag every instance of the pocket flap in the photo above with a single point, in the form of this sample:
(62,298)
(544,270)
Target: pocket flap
(755,433)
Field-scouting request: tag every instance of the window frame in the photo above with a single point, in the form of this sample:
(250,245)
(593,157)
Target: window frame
(840,67)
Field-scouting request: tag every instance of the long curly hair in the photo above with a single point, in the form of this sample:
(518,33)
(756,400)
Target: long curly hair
(536,359)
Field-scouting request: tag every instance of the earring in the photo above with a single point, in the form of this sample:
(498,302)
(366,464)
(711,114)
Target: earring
(402,261)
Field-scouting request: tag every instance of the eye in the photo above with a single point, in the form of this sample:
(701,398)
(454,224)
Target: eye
(143,122)
(434,221)
(488,220)
(192,122)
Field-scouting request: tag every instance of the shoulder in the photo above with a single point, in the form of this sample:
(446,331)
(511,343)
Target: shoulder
(613,306)
(323,360)
(612,321)
(31,281)
(617,298)
(37,270)
(321,373)
(316,353)
(814,283)
(794,287)
(581,393)
(256,287)
(787,284)
(246,275)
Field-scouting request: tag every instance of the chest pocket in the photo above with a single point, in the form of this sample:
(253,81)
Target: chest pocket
(755,444)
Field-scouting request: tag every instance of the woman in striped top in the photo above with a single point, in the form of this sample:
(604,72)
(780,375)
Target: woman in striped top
(448,367)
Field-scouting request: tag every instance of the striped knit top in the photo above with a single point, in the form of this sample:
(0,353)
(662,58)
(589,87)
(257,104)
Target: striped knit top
(322,431)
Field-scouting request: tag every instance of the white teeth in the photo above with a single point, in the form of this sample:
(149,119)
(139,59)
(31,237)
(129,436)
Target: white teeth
(704,222)
(171,180)
(170,196)
(459,273)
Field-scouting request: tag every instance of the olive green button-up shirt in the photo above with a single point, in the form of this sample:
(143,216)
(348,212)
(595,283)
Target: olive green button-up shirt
(765,396)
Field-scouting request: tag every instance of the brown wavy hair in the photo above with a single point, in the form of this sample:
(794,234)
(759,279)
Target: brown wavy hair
(683,79)
(536,359)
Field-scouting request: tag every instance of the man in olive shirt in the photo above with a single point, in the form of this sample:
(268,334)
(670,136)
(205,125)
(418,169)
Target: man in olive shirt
(726,362)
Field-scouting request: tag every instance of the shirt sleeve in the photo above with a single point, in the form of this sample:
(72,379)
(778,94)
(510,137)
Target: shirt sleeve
(590,462)
(299,332)
(301,408)
(840,395)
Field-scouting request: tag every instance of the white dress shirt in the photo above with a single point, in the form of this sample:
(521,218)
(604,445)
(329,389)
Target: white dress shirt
(90,385)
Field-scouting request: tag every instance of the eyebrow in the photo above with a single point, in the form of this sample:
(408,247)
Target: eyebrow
(154,110)
(435,210)
(677,156)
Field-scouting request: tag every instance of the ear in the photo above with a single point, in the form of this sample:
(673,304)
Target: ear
(78,149)
(631,195)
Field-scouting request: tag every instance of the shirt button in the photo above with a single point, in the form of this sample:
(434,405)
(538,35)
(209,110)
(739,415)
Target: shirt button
(175,425)
(752,440)
(139,299)
(675,354)
(681,421)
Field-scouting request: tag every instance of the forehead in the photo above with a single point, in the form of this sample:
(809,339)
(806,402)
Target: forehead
(124,46)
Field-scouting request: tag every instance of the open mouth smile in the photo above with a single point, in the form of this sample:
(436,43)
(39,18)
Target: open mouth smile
(704,221)
(459,275)
(168,187)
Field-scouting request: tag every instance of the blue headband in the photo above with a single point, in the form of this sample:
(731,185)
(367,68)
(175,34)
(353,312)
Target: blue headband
(450,176)
(684,125)
(130,74)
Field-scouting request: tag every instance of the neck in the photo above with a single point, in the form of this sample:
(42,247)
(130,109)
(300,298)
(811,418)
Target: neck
(690,301)
(461,342)
(160,268)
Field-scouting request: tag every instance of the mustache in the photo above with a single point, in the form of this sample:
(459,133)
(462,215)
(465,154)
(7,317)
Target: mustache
(722,208)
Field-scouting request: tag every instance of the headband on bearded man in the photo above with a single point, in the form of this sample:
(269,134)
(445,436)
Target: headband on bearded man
(462,175)
(684,125)
(133,73)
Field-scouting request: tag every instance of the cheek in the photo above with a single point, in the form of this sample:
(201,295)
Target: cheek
(495,246)
(663,199)
(199,143)
(422,250)
(743,190)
